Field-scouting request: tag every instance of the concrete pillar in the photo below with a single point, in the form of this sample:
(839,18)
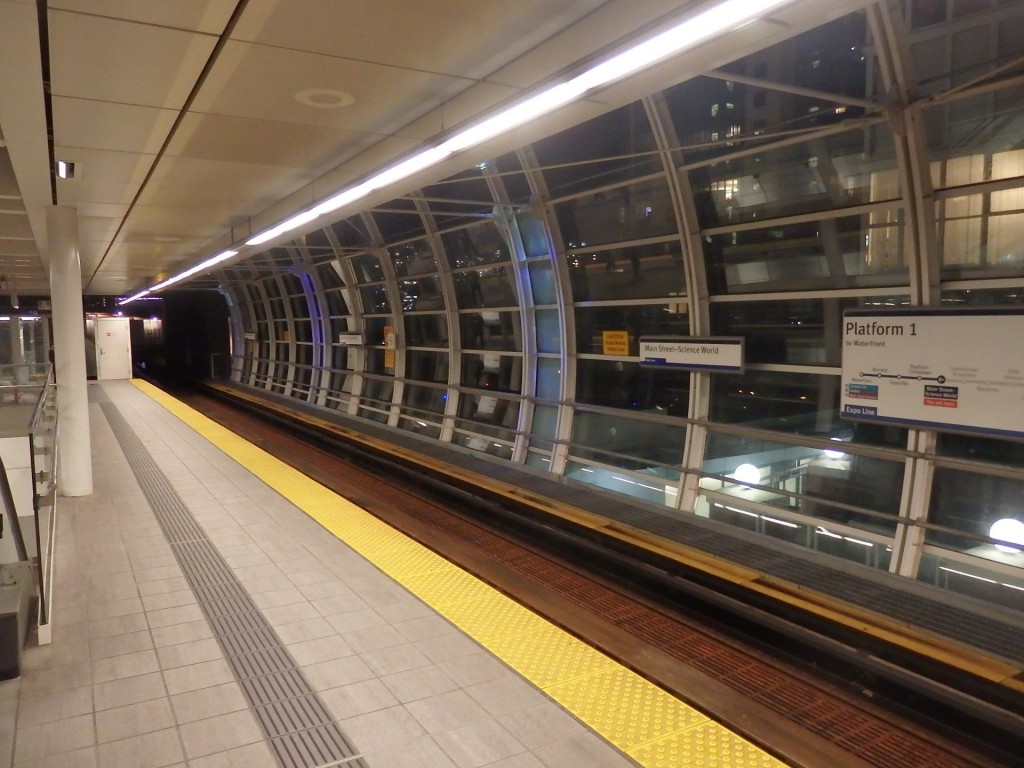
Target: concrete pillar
(74,452)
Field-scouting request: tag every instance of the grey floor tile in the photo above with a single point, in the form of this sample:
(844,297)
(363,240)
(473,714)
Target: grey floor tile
(446,711)
(319,649)
(337,672)
(542,724)
(478,667)
(162,600)
(117,645)
(133,720)
(419,683)
(587,749)
(208,702)
(125,665)
(52,738)
(9,693)
(79,758)
(220,733)
(188,632)
(35,710)
(382,728)
(196,676)
(166,617)
(130,690)
(186,654)
(423,753)
(149,750)
(304,630)
(174,584)
(373,638)
(121,625)
(358,699)
(249,756)
(482,743)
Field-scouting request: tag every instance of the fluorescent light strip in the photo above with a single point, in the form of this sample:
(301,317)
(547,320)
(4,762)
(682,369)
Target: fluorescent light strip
(212,261)
(729,15)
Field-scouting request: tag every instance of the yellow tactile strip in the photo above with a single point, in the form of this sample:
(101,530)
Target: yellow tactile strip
(654,728)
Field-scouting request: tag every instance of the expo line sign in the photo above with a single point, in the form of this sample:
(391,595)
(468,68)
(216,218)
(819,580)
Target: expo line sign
(719,354)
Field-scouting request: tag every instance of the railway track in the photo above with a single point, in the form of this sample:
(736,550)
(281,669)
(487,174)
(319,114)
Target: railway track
(806,708)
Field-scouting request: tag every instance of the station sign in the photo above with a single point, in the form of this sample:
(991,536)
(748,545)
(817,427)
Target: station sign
(719,354)
(950,369)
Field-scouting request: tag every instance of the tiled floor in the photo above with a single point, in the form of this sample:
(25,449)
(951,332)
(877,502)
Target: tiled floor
(135,678)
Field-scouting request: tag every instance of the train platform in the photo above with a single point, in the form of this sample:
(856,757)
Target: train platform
(216,608)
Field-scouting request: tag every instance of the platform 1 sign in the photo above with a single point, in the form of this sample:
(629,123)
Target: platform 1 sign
(709,355)
(950,369)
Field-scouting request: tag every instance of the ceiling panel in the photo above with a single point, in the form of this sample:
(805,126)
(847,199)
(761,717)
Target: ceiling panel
(123,128)
(123,62)
(207,16)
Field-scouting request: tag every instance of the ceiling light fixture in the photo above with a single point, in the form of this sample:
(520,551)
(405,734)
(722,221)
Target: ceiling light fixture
(726,16)
(222,256)
(65,170)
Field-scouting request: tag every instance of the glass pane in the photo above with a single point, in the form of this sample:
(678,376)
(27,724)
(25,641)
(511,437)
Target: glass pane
(806,404)
(375,299)
(336,304)
(639,444)
(483,445)
(836,171)
(637,272)
(620,384)
(424,400)
(422,294)
(545,422)
(973,579)
(367,268)
(549,330)
(538,460)
(709,114)
(426,366)
(800,332)
(490,287)
(458,199)
(829,253)
(542,282)
(415,258)
(501,373)
(636,212)
(377,392)
(426,330)
(479,244)
(376,328)
(549,378)
(398,220)
(973,503)
(968,52)
(490,330)
(611,148)
(488,409)
(654,484)
(977,241)
(637,321)
(376,362)
(807,480)
(329,273)
(419,427)
(534,235)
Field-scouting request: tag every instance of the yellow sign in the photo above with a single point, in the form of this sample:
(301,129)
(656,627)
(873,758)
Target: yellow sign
(389,347)
(615,343)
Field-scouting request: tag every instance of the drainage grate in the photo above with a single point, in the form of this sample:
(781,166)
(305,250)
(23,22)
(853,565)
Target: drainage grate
(295,721)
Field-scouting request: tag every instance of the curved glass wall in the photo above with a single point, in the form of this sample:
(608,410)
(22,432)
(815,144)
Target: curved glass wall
(501,309)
